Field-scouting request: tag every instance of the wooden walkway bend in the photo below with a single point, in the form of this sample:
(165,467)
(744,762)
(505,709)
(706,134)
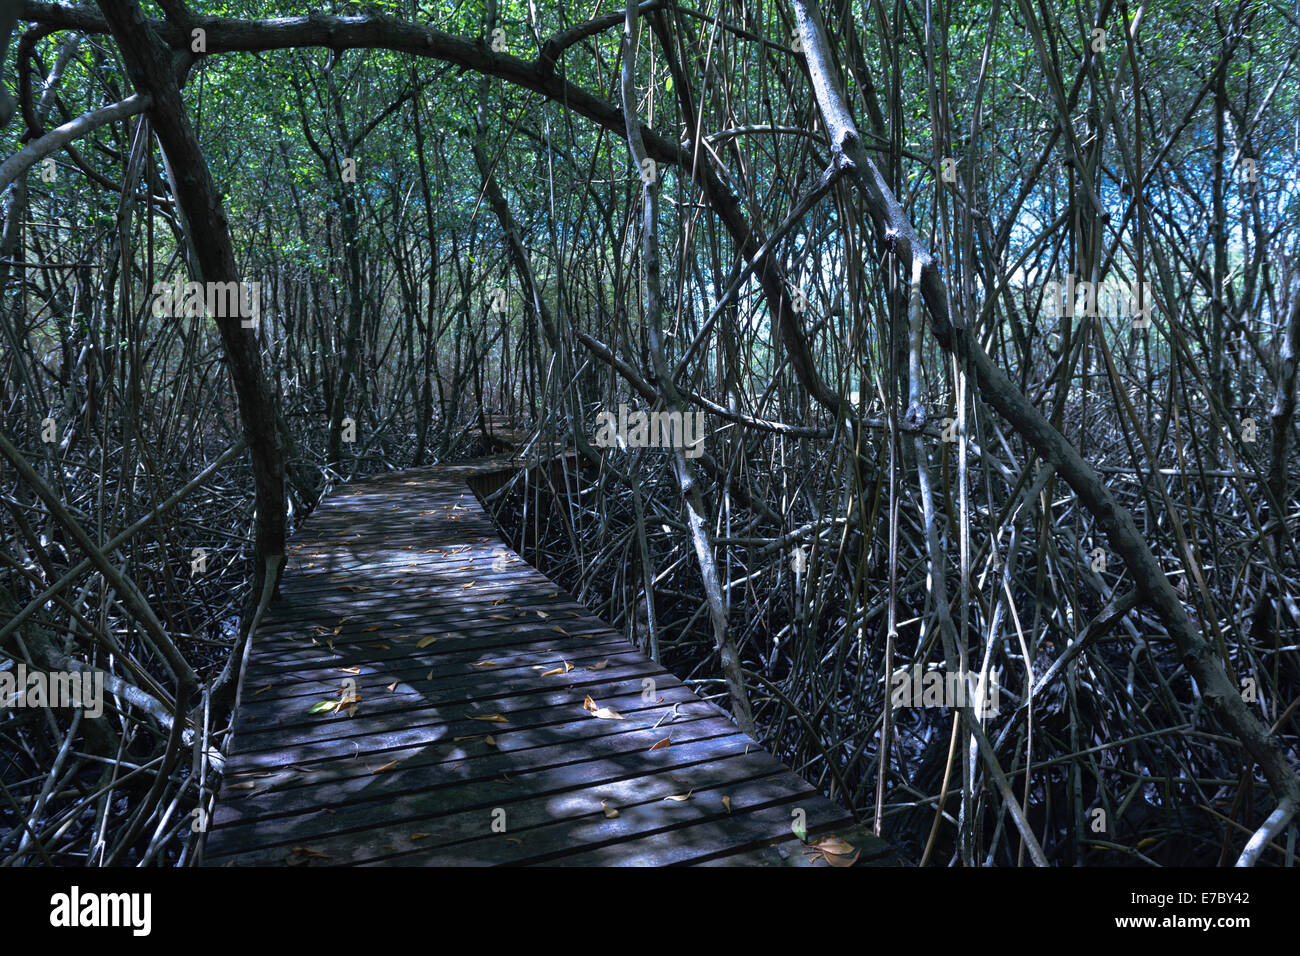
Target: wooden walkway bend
(452,685)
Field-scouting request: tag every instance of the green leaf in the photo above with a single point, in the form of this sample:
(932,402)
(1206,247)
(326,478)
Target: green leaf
(322,706)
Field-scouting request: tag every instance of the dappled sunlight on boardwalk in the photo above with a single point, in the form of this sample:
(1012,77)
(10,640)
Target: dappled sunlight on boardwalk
(420,695)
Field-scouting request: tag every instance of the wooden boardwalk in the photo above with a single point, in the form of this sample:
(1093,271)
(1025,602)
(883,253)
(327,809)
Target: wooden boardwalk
(453,688)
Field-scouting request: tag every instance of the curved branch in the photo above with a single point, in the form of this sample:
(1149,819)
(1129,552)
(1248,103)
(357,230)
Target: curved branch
(60,136)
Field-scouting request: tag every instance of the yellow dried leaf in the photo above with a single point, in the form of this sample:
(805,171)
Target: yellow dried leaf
(493,718)
(424,642)
(599,665)
(490,740)
(604,713)
(388,766)
(610,812)
(726,802)
(835,859)
(835,846)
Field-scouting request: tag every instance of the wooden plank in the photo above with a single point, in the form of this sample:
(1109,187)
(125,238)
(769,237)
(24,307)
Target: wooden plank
(532,799)
(429,725)
(620,690)
(353,779)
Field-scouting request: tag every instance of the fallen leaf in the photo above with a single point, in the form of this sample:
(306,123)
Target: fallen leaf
(262,690)
(610,812)
(680,797)
(423,836)
(599,665)
(662,744)
(490,740)
(604,713)
(465,587)
(388,766)
(833,846)
(379,647)
(486,664)
(836,859)
(321,706)
(372,627)
(726,802)
(349,670)
(348,699)
(494,718)
(558,670)
(424,642)
(393,686)
(1146,842)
